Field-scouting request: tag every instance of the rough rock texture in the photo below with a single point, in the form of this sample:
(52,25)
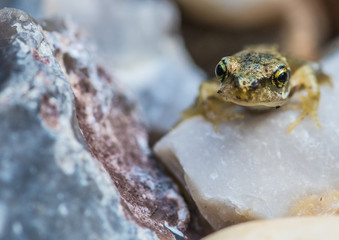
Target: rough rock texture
(140,39)
(302,228)
(32,7)
(51,182)
(252,168)
(110,123)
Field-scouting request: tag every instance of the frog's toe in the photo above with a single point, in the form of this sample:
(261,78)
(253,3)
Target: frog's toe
(309,107)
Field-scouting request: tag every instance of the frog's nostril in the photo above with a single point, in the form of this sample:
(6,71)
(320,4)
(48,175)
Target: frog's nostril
(241,83)
(237,83)
(246,84)
(254,85)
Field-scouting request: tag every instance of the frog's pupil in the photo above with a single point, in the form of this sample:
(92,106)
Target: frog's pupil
(219,71)
(282,77)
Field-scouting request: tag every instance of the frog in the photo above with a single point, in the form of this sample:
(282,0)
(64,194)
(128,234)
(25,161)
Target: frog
(260,78)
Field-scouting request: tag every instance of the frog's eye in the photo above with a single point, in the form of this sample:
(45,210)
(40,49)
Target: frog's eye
(221,70)
(280,77)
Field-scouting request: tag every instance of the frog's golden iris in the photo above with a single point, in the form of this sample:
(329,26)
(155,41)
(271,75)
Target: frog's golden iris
(221,70)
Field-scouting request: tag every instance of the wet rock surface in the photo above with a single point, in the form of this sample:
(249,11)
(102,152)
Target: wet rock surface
(252,168)
(74,157)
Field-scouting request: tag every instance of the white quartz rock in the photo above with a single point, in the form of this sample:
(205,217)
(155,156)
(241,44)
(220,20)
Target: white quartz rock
(252,168)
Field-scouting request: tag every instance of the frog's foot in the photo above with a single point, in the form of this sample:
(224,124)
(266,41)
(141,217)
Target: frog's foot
(213,110)
(216,112)
(305,78)
(309,106)
(211,106)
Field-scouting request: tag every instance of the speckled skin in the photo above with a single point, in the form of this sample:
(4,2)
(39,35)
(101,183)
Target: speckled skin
(249,78)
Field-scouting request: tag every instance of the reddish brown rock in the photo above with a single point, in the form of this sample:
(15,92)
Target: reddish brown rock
(111,125)
(49,111)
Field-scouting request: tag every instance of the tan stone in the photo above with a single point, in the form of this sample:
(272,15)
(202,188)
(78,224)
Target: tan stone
(301,228)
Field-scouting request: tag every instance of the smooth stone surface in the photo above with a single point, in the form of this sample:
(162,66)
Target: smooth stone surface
(140,41)
(74,160)
(302,228)
(252,168)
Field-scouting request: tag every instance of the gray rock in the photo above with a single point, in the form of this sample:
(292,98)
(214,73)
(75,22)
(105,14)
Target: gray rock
(64,179)
(252,168)
(32,7)
(140,40)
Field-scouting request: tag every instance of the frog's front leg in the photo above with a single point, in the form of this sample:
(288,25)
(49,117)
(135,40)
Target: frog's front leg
(305,77)
(211,106)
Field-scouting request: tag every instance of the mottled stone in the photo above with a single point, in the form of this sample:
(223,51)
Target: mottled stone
(110,122)
(32,7)
(74,163)
(252,168)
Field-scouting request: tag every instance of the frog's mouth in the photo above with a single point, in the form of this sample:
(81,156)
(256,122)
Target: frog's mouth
(245,94)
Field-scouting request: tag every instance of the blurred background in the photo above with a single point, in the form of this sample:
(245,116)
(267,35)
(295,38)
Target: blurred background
(161,50)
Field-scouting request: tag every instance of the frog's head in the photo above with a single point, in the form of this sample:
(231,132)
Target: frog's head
(252,78)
